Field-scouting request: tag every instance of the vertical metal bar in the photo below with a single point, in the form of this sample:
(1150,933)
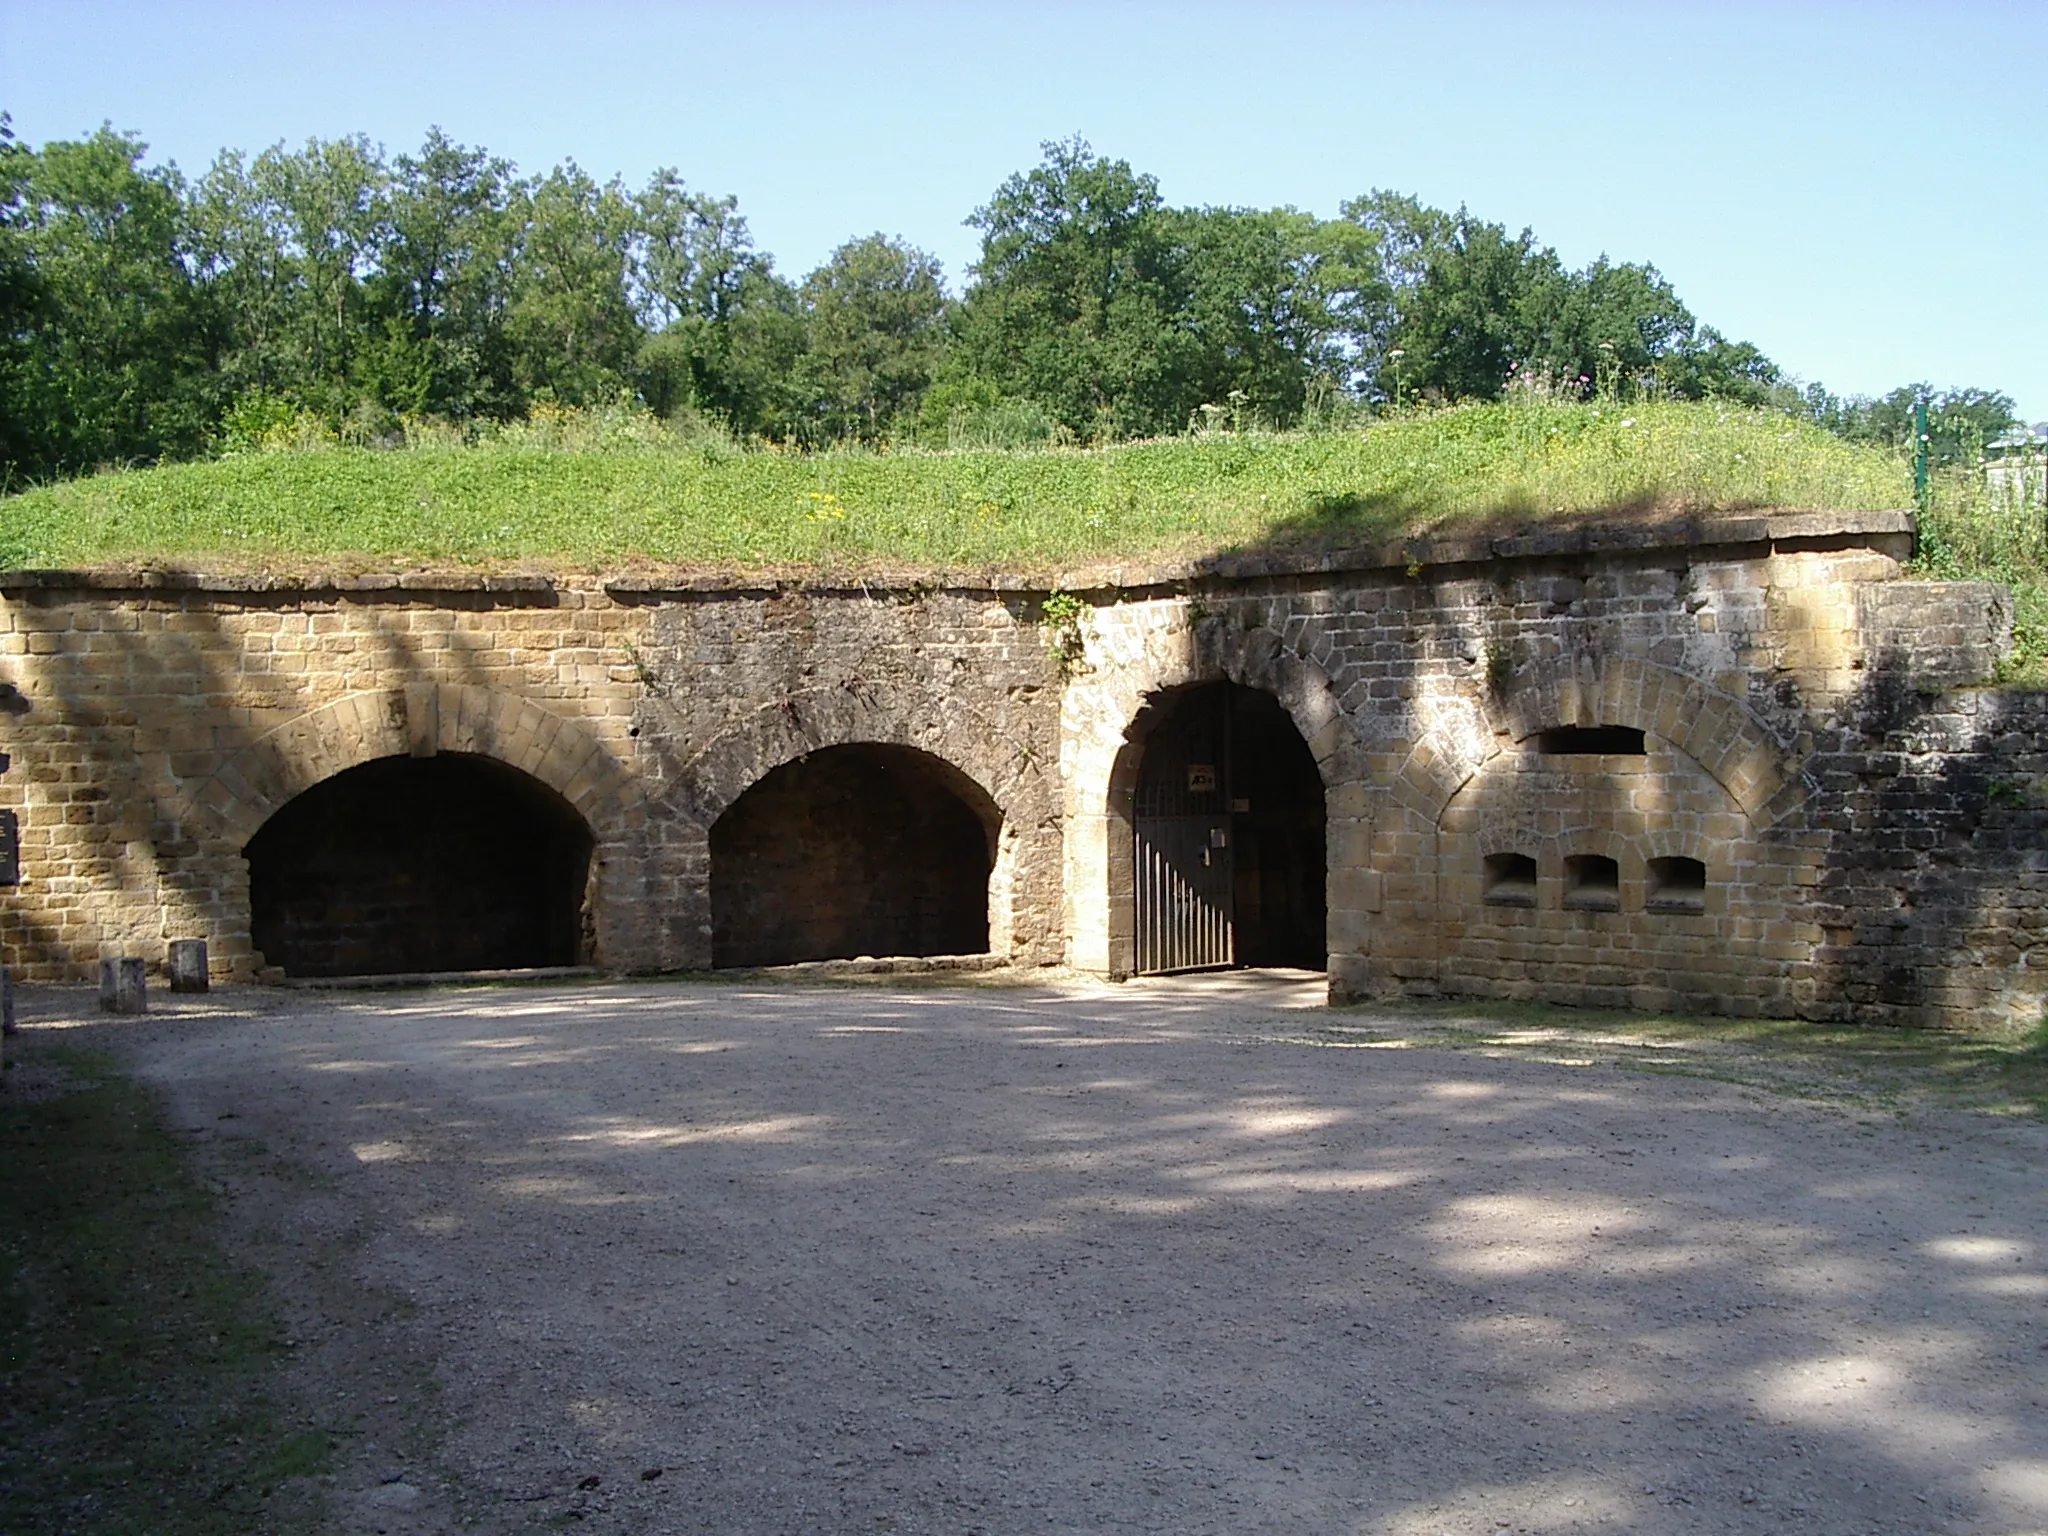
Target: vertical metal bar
(1165,905)
(1139,913)
(1148,909)
(1145,903)
(1180,918)
(1186,906)
(1920,456)
(1226,946)
(1162,911)
(1166,912)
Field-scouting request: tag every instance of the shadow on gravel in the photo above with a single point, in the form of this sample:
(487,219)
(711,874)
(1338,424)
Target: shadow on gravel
(956,1259)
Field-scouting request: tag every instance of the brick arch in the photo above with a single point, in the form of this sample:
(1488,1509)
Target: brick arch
(253,781)
(1715,729)
(1137,659)
(1649,843)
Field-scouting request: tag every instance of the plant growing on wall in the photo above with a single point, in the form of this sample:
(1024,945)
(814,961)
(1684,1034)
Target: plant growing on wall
(1060,615)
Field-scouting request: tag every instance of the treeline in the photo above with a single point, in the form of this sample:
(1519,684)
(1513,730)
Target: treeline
(144,316)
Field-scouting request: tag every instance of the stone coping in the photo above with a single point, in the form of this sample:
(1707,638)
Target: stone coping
(1694,531)
(148,580)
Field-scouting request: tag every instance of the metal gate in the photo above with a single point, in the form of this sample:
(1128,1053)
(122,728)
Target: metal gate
(1183,866)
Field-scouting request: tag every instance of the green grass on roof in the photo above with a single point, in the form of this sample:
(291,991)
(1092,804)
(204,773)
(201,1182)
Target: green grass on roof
(504,505)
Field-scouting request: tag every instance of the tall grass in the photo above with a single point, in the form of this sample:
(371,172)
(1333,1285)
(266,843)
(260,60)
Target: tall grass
(580,494)
(1975,529)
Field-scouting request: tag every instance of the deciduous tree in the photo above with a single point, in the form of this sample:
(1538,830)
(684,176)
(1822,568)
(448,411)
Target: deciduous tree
(875,334)
(1079,295)
(569,315)
(108,349)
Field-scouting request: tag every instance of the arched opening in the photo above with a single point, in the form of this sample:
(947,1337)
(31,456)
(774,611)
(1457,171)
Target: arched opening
(444,863)
(853,850)
(1228,828)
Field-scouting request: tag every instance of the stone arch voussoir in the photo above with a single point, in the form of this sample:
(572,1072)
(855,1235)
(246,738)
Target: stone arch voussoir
(1099,710)
(1715,729)
(255,780)
(1139,653)
(811,721)
(1010,771)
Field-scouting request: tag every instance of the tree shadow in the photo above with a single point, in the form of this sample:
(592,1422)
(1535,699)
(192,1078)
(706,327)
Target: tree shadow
(995,1257)
(1935,881)
(1334,523)
(139,687)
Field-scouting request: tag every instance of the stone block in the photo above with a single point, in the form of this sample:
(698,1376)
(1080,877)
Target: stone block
(185,965)
(122,985)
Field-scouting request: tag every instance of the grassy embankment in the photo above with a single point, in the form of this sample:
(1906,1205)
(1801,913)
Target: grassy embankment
(133,1353)
(640,498)
(605,490)
(1972,533)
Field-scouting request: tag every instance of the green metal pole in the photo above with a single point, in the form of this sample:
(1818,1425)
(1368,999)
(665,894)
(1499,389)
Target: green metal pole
(1920,456)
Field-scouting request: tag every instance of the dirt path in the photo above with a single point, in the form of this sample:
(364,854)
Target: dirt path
(738,1259)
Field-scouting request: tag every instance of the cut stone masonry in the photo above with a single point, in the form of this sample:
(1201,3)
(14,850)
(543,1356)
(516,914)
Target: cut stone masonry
(1801,745)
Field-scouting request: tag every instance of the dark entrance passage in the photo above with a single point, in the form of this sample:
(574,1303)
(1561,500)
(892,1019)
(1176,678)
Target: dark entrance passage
(447,863)
(855,850)
(1229,823)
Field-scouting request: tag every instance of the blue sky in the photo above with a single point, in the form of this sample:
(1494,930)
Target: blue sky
(1858,189)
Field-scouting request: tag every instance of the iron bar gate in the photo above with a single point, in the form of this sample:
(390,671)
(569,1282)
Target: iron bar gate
(1183,863)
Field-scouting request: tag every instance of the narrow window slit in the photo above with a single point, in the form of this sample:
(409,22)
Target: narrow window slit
(1590,741)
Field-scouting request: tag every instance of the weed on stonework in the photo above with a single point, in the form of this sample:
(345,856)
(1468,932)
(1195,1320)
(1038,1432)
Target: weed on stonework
(132,1353)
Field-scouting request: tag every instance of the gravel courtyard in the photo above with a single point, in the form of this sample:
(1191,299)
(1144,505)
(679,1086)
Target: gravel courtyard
(826,1258)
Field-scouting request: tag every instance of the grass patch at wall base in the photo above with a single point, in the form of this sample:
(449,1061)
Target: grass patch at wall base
(1862,1066)
(133,1352)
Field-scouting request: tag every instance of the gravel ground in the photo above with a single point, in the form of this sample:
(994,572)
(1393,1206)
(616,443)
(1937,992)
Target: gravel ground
(741,1258)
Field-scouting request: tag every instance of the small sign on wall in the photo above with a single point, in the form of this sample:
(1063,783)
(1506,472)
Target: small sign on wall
(10,848)
(1201,778)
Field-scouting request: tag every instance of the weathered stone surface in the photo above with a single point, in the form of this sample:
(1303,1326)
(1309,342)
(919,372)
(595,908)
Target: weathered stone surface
(185,965)
(122,985)
(1814,734)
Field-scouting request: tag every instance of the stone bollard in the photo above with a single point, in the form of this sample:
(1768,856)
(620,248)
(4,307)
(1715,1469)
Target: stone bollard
(121,986)
(187,965)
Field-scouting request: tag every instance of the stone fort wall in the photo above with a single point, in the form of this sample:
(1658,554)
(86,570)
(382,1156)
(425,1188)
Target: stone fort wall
(1804,801)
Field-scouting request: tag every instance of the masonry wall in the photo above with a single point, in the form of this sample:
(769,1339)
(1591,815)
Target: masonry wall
(1932,900)
(1818,749)
(161,721)
(1751,655)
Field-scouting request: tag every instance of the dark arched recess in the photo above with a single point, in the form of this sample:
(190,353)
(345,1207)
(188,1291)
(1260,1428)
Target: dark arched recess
(445,863)
(1228,826)
(853,850)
